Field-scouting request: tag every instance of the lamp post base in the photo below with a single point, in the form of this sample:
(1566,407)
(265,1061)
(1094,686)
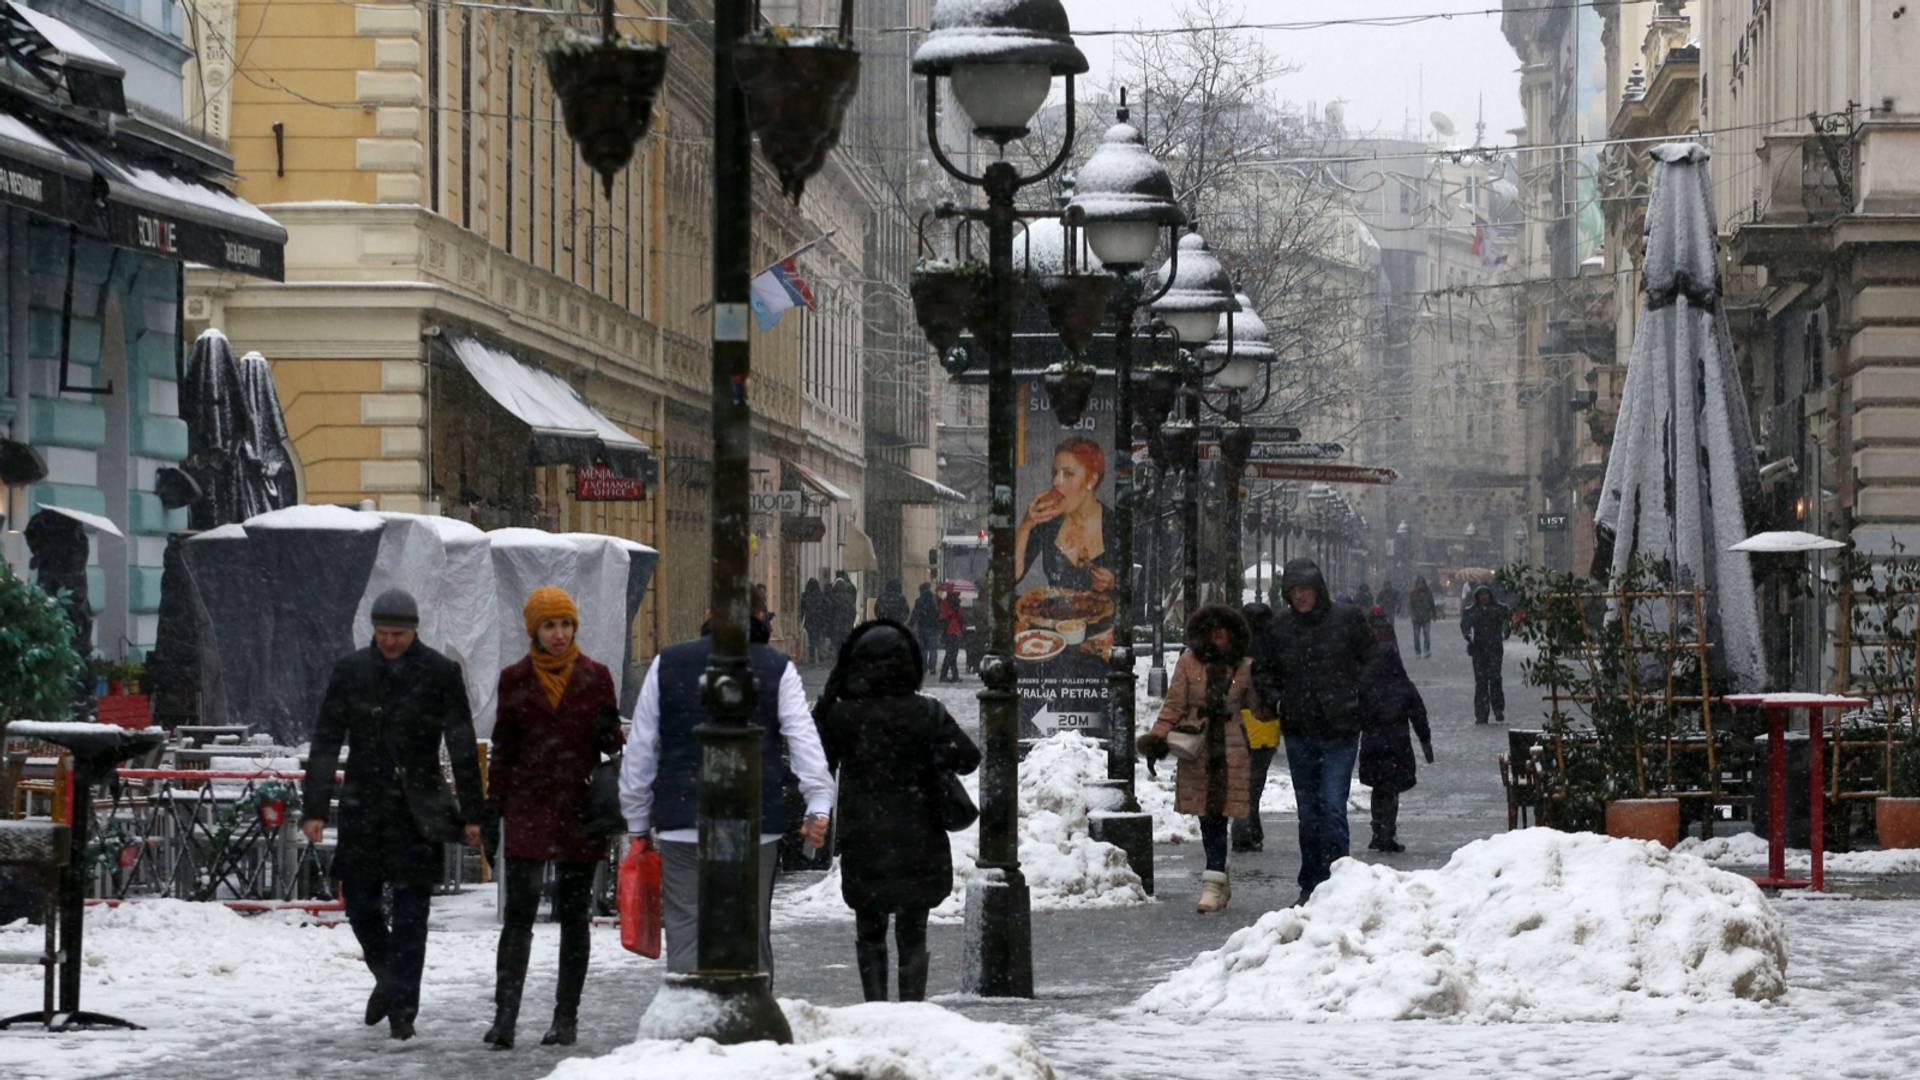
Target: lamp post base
(1131,833)
(1000,927)
(729,1009)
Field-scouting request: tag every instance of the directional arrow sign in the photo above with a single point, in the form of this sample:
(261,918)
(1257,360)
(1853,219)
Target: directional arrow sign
(1211,433)
(1328,474)
(1280,451)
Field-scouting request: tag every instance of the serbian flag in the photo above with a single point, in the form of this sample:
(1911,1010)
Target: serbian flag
(778,288)
(1484,236)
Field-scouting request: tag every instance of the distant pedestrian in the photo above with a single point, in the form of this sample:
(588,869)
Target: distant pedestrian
(1364,598)
(557,717)
(892,604)
(1392,705)
(1485,624)
(816,618)
(977,633)
(1263,745)
(891,747)
(1211,683)
(393,704)
(1308,669)
(1389,600)
(1420,609)
(924,621)
(660,773)
(953,629)
(846,609)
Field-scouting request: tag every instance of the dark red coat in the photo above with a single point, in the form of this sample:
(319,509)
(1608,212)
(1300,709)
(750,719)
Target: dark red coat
(543,756)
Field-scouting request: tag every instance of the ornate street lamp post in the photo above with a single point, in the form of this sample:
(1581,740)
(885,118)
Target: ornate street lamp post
(1000,60)
(1198,298)
(1124,198)
(1242,351)
(1289,502)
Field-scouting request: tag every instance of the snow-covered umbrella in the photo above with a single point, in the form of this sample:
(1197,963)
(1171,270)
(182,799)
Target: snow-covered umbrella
(1682,472)
(235,435)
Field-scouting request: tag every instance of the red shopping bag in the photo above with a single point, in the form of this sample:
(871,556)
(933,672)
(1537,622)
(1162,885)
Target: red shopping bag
(640,901)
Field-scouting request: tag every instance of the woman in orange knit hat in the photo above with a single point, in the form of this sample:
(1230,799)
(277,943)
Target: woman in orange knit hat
(557,716)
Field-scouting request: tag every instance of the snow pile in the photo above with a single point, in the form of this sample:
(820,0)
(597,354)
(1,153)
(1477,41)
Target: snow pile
(1749,849)
(862,1042)
(1060,785)
(1536,925)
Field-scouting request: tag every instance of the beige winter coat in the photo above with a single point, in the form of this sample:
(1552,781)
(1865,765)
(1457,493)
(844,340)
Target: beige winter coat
(1186,694)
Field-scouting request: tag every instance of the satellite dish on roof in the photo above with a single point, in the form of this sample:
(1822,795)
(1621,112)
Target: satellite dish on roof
(1443,124)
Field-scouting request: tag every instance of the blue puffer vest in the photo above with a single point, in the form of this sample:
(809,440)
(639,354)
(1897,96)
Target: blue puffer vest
(676,788)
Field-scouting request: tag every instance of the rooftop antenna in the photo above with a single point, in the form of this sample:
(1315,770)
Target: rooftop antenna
(1480,122)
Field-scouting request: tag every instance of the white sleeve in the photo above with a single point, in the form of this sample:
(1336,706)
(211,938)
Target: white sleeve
(641,762)
(805,755)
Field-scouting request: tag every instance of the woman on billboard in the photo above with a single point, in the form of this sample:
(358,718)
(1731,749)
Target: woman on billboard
(1066,526)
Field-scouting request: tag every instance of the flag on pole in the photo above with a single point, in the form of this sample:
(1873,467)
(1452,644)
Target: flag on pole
(780,287)
(1485,237)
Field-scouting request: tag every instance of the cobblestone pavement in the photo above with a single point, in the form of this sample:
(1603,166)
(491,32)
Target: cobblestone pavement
(1085,963)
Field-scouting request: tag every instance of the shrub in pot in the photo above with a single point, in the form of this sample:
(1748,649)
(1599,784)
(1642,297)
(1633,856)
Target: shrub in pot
(1897,814)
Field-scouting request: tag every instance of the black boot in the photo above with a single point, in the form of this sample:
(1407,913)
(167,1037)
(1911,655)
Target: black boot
(1389,844)
(576,946)
(376,1004)
(872,961)
(913,976)
(1374,844)
(509,979)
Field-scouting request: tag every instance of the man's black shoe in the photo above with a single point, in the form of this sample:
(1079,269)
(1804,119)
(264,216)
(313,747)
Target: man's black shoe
(400,1027)
(376,1005)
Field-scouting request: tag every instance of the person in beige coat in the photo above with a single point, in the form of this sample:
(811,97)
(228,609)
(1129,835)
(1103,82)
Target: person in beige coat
(1210,685)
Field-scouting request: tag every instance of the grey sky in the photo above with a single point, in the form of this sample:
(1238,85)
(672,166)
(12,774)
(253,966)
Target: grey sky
(1378,71)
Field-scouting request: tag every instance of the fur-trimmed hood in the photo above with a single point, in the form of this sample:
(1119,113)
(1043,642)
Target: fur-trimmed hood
(1211,617)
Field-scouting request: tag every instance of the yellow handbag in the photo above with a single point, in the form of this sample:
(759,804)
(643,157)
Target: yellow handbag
(1261,734)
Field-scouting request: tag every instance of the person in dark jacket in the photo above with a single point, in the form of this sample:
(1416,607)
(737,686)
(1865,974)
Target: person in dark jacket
(1209,687)
(846,609)
(394,704)
(1393,704)
(1485,624)
(953,630)
(890,746)
(1420,609)
(924,621)
(557,716)
(1263,745)
(1389,600)
(815,618)
(1364,598)
(892,604)
(1307,671)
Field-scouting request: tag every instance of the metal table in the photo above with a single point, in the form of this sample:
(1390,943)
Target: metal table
(1776,707)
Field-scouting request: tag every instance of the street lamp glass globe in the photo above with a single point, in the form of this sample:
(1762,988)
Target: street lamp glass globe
(1123,243)
(1001,97)
(1238,374)
(1194,327)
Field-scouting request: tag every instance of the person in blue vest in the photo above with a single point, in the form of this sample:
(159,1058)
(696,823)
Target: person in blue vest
(660,772)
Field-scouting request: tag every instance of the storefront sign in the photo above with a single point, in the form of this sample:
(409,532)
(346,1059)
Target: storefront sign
(1552,522)
(1278,451)
(775,502)
(598,483)
(178,238)
(1327,474)
(803,530)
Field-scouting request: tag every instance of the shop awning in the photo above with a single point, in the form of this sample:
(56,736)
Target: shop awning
(566,430)
(38,174)
(150,208)
(819,483)
(856,551)
(900,485)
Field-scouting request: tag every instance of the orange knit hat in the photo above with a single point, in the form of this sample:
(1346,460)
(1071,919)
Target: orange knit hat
(549,602)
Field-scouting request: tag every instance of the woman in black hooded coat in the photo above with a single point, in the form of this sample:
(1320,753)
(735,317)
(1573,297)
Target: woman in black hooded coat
(1391,704)
(890,746)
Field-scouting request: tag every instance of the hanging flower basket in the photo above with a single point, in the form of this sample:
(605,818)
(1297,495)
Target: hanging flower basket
(797,92)
(942,294)
(606,88)
(1075,303)
(1069,388)
(1180,438)
(1158,388)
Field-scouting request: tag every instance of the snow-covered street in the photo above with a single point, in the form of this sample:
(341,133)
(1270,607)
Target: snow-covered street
(229,996)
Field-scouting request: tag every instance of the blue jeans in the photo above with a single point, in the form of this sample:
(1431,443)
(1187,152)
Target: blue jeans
(1322,772)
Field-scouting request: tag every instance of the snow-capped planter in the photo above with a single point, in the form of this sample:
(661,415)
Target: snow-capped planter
(1534,926)
(1158,389)
(1898,822)
(1069,388)
(1180,438)
(1645,819)
(798,87)
(943,293)
(1075,304)
(606,87)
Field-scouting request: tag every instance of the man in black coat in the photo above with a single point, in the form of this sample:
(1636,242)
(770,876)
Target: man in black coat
(1485,624)
(1420,609)
(394,703)
(924,620)
(1307,667)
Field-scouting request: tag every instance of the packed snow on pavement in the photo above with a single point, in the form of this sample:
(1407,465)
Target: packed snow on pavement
(1532,925)
(905,1041)
(1747,850)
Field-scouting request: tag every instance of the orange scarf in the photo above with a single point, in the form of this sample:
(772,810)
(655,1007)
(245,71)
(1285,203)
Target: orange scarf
(554,671)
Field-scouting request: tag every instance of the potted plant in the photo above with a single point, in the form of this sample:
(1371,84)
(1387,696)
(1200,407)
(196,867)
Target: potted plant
(1897,813)
(943,292)
(606,86)
(1075,304)
(1069,388)
(39,669)
(798,85)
